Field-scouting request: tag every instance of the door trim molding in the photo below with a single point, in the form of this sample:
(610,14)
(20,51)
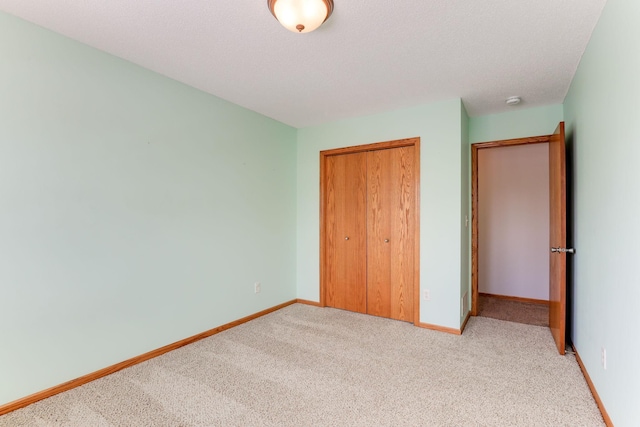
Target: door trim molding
(474,203)
(415,142)
(371,147)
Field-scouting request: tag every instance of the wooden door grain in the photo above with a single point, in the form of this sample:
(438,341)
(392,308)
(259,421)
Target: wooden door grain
(345,228)
(558,237)
(391,202)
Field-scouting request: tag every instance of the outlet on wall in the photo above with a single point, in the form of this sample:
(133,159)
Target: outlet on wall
(257,287)
(464,304)
(603,356)
(426,295)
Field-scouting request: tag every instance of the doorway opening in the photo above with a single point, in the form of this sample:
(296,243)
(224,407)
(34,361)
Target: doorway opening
(510,230)
(513,217)
(557,209)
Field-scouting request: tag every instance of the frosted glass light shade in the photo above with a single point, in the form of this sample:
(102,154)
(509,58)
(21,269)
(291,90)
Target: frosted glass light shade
(301,16)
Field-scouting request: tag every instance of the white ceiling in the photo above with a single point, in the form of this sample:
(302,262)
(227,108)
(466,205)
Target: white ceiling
(370,56)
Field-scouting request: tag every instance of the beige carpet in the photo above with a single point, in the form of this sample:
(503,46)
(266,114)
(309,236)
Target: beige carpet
(513,311)
(307,366)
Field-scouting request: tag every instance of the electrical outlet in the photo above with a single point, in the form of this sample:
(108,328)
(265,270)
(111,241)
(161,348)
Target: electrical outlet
(257,287)
(603,356)
(464,304)
(426,295)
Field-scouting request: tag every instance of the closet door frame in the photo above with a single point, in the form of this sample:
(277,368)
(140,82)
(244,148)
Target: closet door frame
(414,142)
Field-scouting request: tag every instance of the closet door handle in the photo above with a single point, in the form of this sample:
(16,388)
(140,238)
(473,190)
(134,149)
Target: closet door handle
(346,238)
(386,240)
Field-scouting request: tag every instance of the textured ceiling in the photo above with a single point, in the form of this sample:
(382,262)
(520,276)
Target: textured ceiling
(370,56)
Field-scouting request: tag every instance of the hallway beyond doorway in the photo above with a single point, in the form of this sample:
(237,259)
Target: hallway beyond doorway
(529,313)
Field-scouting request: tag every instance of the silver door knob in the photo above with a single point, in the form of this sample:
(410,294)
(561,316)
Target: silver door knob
(564,250)
(386,240)
(346,238)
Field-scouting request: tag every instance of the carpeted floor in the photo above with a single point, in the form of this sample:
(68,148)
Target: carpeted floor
(513,311)
(308,366)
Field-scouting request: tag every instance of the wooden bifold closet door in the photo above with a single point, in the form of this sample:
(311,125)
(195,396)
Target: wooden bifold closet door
(369,231)
(346,232)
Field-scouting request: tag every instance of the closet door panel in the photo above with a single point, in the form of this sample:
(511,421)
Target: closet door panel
(346,241)
(390,231)
(378,233)
(403,220)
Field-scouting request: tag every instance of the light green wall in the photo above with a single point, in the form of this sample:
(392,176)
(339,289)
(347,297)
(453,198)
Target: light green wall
(439,127)
(136,211)
(465,215)
(519,123)
(603,127)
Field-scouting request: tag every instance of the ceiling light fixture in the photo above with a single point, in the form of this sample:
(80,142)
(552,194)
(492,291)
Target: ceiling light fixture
(301,16)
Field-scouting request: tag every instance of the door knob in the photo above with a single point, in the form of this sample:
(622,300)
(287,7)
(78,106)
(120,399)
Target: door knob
(346,238)
(386,240)
(564,250)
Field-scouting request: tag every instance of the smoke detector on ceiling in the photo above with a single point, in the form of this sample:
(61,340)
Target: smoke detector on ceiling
(513,100)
